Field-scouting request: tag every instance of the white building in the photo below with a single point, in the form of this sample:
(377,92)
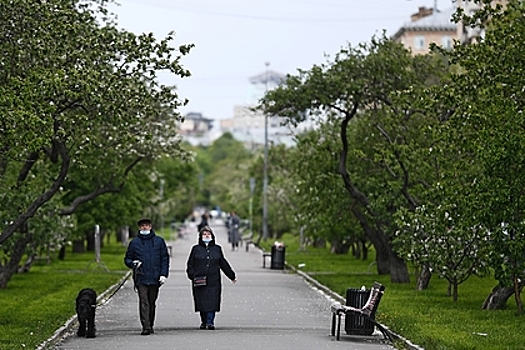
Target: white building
(248,125)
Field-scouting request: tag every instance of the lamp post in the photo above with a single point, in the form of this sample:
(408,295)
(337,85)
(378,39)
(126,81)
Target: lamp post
(252,188)
(265,179)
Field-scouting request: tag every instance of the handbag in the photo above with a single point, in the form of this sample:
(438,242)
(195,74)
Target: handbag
(199,281)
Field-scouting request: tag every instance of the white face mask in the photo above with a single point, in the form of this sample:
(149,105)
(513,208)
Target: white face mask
(206,240)
(144,232)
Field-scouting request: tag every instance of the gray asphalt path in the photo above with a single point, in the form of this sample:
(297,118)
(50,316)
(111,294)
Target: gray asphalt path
(266,309)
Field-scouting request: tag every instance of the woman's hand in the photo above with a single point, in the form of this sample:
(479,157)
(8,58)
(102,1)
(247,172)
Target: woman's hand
(234,281)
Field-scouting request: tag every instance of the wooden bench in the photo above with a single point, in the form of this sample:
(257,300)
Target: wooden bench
(367,311)
(247,239)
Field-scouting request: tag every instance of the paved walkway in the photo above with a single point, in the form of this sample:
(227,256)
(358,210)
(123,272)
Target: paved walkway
(266,309)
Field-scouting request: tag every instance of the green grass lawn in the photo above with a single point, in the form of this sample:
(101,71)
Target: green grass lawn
(427,318)
(37,303)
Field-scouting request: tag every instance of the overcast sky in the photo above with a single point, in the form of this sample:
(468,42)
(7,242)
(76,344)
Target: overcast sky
(234,39)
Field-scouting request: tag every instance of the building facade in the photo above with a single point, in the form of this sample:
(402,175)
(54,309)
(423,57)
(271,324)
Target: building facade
(427,26)
(430,25)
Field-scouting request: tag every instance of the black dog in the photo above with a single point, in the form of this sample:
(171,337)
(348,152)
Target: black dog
(85,306)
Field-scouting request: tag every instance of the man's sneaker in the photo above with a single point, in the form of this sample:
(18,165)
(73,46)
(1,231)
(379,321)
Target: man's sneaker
(202,326)
(211,327)
(145,332)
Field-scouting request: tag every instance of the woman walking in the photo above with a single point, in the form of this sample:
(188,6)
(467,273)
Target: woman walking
(205,261)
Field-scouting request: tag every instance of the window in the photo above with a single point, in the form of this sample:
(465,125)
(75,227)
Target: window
(419,42)
(446,42)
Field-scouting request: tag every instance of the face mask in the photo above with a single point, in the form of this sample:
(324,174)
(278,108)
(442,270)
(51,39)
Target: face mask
(144,232)
(206,240)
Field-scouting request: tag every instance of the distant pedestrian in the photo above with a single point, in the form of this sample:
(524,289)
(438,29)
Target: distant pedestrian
(234,236)
(205,261)
(205,221)
(147,255)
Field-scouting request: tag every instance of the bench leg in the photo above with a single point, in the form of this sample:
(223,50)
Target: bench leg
(382,329)
(338,327)
(332,328)
(264,256)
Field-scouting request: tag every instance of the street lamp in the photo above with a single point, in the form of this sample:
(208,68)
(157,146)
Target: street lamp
(265,180)
(252,188)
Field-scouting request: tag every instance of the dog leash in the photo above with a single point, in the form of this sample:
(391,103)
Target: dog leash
(121,283)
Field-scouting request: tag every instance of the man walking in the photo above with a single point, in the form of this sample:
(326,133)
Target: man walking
(147,255)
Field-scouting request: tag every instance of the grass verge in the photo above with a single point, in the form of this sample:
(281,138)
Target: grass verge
(37,303)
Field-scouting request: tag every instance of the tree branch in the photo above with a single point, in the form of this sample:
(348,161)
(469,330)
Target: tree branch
(43,198)
(107,188)
(354,192)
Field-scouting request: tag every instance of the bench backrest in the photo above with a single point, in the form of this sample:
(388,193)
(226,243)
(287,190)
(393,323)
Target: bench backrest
(372,303)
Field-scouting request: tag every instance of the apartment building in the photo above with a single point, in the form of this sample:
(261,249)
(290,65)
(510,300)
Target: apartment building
(428,25)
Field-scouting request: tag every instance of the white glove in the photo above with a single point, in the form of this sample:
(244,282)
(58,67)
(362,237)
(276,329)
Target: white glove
(137,263)
(162,280)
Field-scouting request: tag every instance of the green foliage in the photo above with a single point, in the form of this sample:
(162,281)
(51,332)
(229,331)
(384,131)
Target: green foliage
(225,172)
(436,237)
(320,201)
(81,108)
(179,179)
(371,136)
(481,142)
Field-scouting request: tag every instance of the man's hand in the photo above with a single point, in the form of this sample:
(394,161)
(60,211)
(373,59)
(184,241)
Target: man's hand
(137,263)
(162,280)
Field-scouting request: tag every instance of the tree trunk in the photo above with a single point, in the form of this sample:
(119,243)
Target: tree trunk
(62,252)
(364,249)
(382,259)
(387,260)
(320,243)
(398,269)
(499,295)
(9,269)
(90,238)
(356,250)
(26,266)
(517,294)
(497,298)
(455,291)
(78,246)
(338,247)
(424,278)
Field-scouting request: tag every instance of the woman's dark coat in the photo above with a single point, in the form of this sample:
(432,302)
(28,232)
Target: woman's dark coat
(153,252)
(208,298)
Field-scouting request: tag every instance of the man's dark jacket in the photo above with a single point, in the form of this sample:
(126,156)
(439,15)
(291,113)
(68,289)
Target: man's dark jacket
(153,252)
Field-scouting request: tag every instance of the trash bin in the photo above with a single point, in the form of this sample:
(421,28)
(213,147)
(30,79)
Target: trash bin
(277,257)
(357,324)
